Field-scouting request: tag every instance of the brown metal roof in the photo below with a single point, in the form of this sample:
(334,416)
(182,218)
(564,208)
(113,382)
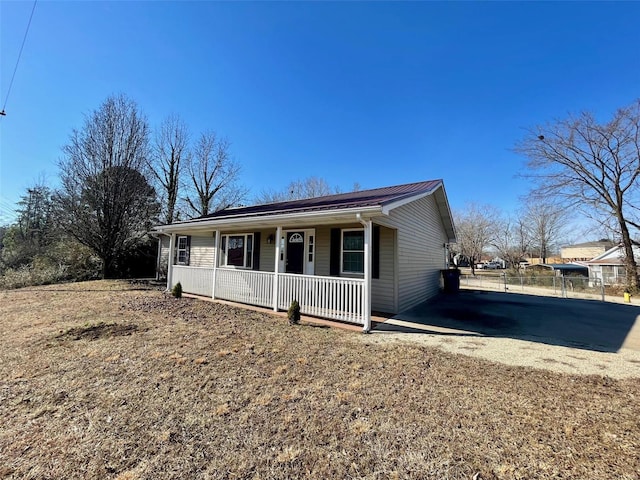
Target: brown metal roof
(363,198)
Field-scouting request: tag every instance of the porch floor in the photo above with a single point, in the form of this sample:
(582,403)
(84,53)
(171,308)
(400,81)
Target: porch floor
(376,318)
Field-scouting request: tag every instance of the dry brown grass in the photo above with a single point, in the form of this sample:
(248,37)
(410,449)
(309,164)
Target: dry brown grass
(103,380)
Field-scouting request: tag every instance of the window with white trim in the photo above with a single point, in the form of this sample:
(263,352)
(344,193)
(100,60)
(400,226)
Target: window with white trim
(352,251)
(237,250)
(182,255)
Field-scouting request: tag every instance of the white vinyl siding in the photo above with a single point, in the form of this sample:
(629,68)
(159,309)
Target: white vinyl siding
(164,250)
(267,251)
(323,251)
(202,251)
(420,250)
(383,289)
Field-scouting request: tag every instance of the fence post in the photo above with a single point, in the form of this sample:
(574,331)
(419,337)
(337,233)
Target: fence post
(554,285)
(602,288)
(504,276)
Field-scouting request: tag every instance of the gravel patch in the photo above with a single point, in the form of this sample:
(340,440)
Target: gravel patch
(536,354)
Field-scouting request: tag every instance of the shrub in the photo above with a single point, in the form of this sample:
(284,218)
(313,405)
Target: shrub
(177,290)
(28,275)
(294,313)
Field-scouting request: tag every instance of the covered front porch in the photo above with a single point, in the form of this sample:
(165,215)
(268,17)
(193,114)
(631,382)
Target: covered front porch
(271,267)
(334,298)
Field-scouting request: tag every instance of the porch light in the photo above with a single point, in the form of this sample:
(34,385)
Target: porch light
(270,239)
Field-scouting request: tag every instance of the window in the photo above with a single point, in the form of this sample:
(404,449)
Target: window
(183,251)
(353,251)
(310,249)
(237,250)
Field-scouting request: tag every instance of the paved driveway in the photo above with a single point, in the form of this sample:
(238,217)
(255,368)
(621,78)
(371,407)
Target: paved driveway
(584,324)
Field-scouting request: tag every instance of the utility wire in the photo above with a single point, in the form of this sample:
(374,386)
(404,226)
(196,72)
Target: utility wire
(18,60)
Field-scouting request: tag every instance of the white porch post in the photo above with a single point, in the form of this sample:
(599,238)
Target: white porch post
(172,248)
(216,256)
(276,265)
(367,275)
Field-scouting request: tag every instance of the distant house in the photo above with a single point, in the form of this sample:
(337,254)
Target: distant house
(609,267)
(581,252)
(340,256)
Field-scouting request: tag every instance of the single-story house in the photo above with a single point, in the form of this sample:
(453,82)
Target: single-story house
(340,256)
(609,267)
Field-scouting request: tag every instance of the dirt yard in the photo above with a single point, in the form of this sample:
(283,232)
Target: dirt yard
(116,380)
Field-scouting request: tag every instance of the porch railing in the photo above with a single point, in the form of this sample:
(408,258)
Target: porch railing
(197,280)
(336,298)
(245,286)
(327,297)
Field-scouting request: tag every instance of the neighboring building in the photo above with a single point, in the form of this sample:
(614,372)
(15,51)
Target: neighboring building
(538,261)
(609,267)
(341,256)
(582,252)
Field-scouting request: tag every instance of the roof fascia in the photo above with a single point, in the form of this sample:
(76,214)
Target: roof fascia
(443,206)
(411,198)
(272,219)
(606,254)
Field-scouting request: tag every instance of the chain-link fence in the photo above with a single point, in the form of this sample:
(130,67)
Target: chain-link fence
(563,287)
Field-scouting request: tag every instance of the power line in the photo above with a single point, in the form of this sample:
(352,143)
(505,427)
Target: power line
(18,60)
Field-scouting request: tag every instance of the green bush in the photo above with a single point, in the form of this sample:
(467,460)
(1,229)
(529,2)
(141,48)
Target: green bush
(177,290)
(294,313)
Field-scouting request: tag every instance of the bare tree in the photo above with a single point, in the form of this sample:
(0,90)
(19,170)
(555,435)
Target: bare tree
(512,240)
(547,224)
(214,176)
(309,187)
(170,150)
(475,230)
(105,201)
(591,167)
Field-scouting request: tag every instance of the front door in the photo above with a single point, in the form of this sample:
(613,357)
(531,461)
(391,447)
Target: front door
(295,252)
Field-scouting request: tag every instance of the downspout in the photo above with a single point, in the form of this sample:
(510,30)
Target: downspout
(446,255)
(367,272)
(172,248)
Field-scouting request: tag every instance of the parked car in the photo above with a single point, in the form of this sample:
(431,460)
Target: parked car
(492,266)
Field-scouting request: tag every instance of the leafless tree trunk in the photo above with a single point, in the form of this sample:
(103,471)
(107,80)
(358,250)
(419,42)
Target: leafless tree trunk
(547,223)
(169,154)
(105,201)
(214,176)
(591,167)
(475,227)
(511,240)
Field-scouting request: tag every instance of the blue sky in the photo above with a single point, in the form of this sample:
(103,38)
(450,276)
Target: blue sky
(375,93)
